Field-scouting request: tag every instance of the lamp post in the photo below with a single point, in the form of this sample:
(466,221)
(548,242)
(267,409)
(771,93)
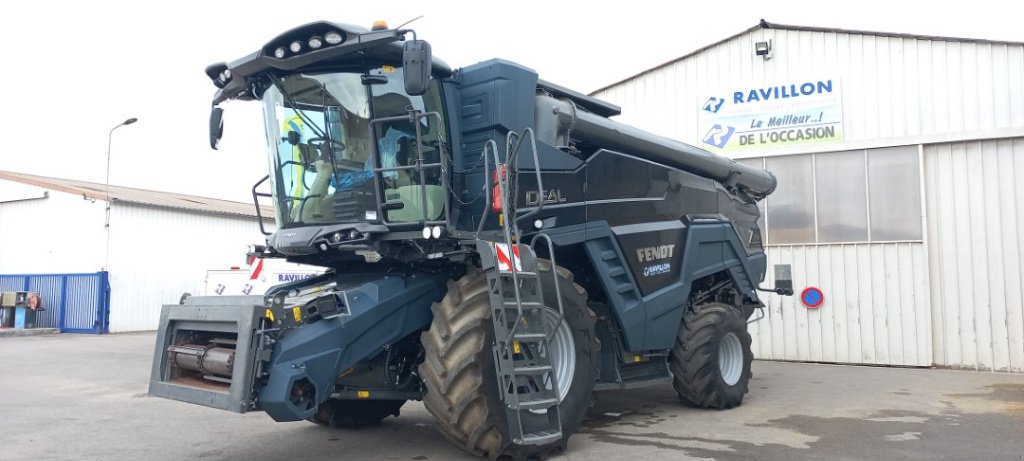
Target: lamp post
(110,137)
(106,190)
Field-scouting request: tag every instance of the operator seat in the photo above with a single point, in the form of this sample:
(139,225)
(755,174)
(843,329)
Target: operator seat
(399,135)
(394,152)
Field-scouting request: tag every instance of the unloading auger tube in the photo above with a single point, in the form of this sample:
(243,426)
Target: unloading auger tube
(557,120)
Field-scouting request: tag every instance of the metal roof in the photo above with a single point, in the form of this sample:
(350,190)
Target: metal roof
(146,197)
(771,25)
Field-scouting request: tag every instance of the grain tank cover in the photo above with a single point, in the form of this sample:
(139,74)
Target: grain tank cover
(558,120)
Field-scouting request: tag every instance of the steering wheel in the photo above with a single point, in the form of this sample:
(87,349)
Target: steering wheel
(326,145)
(389,183)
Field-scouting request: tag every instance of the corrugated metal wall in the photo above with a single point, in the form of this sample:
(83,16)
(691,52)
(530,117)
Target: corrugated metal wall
(58,234)
(975,205)
(875,310)
(74,303)
(954,298)
(892,87)
(157,254)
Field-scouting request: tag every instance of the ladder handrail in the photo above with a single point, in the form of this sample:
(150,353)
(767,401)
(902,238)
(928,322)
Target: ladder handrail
(487,182)
(514,153)
(554,275)
(507,233)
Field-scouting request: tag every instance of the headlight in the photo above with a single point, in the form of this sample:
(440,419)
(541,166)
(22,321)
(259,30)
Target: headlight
(279,53)
(332,38)
(296,46)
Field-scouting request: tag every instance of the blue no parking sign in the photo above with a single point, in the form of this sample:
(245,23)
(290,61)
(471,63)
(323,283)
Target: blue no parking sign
(812,297)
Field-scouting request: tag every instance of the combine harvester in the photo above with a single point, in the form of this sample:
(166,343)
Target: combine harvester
(494,246)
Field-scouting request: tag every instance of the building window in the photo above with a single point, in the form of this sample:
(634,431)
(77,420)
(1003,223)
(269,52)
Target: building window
(869,195)
(841,196)
(894,176)
(790,213)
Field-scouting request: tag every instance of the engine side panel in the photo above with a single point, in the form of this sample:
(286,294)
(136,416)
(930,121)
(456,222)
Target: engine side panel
(383,310)
(650,230)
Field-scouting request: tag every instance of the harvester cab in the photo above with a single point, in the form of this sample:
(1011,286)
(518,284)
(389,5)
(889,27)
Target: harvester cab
(496,246)
(357,147)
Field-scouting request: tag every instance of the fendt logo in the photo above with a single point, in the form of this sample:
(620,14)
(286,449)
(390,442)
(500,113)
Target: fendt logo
(647,254)
(714,104)
(718,135)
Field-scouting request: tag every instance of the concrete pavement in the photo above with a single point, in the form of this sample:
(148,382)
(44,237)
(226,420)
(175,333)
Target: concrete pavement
(84,397)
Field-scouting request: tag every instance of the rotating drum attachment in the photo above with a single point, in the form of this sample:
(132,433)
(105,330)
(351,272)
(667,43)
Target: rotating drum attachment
(214,361)
(209,350)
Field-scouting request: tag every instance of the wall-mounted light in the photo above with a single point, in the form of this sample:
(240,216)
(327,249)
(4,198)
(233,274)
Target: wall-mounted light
(763,49)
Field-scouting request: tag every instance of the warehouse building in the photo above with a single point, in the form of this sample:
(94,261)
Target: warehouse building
(899,160)
(103,270)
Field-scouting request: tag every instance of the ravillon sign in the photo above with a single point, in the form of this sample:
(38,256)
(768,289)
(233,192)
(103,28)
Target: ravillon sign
(771,115)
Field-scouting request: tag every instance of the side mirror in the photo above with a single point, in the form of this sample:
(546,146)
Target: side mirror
(416,60)
(216,126)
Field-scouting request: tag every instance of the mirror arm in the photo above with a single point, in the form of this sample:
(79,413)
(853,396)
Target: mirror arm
(216,126)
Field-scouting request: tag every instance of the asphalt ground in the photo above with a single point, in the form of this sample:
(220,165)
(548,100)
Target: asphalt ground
(84,397)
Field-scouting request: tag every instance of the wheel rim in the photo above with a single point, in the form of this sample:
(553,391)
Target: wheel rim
(730,358)
(563,351)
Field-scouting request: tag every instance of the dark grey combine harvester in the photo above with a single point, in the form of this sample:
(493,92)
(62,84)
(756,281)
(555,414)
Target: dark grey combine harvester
(496,247)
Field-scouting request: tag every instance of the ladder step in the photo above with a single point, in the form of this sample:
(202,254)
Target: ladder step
(519,274)
(532,370)
(616,271)
(624,288)
(538,404)
(527,337)
(608,255)
(541,437)
(525,304)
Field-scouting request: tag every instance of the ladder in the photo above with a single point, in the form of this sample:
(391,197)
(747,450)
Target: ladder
(522,354)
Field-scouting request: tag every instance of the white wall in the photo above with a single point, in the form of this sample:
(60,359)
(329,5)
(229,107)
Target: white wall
(157,254)
(975,206)
(954,298)
(58,234)
(894,90)
(10,191)
(876,306)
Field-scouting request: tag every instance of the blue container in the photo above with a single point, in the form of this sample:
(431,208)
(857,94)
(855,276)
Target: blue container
(24,318)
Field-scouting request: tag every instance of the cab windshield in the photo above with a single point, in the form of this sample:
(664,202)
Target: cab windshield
(330,160)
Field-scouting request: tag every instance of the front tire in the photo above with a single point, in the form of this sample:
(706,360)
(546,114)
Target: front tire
(458,369)
(711,358)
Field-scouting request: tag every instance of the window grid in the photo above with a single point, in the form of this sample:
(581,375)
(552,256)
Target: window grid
(767,206)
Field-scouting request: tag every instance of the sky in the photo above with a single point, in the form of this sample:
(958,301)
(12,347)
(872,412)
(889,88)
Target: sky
(74,70)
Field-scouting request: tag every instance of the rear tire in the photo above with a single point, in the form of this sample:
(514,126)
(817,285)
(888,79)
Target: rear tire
(355,414)
(711,359)
(458,369)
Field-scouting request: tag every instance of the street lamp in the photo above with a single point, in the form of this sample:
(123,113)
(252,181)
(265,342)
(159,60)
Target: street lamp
(106,223)
(110,137)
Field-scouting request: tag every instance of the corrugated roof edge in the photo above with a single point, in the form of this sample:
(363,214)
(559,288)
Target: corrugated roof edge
(771,25)
(158,199)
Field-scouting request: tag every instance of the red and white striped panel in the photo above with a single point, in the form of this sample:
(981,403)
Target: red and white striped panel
(504,262)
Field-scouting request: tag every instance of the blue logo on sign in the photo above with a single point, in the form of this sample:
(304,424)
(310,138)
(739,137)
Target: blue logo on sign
(717,136)
(714,104)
